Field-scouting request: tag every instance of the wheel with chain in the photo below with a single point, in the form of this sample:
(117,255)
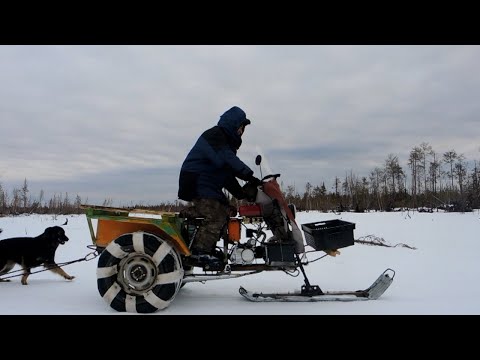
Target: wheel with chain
(139,272)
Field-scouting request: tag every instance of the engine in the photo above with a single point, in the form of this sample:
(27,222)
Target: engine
(242,255)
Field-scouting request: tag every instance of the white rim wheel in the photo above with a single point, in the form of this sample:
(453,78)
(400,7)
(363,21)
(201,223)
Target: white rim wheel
(139,272)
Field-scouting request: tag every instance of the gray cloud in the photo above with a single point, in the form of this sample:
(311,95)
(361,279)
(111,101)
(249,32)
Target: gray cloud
(115,122)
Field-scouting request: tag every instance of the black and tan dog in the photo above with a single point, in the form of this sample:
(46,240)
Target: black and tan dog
(30,252)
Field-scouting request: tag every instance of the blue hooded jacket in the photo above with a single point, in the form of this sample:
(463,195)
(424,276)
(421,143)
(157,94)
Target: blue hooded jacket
(212,163)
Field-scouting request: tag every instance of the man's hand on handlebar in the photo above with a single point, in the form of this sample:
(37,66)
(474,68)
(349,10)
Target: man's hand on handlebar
(255,181)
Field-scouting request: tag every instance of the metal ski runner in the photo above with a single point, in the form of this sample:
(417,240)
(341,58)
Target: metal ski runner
(373,292)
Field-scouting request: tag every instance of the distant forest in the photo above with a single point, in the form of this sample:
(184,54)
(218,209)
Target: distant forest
(430,181)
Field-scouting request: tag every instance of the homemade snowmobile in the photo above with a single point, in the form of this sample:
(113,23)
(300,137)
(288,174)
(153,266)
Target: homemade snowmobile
(145,259)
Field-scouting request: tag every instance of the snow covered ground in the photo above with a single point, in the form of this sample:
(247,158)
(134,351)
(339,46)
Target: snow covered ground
(439,277)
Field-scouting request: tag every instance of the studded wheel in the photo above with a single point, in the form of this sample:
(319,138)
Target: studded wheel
(139,272)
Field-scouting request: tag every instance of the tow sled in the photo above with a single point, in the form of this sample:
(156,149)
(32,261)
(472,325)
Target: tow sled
(145,260)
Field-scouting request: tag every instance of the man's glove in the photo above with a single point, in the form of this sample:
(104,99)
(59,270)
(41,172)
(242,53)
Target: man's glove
(250,191)
(255,181)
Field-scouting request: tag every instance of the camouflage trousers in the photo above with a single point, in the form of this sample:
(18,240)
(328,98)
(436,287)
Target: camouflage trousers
(215,216)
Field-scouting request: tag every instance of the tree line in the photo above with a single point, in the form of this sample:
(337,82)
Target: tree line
(431,180)
(20,201)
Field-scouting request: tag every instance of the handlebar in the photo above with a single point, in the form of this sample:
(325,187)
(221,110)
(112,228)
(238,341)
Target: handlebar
(270,176)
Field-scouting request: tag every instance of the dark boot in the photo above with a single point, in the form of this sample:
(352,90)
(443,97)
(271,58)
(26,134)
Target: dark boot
(209,260)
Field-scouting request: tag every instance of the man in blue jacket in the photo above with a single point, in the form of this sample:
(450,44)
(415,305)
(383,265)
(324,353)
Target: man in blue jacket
(211,166)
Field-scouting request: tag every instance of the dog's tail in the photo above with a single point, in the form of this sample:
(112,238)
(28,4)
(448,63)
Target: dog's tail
(66,222)
(1,230)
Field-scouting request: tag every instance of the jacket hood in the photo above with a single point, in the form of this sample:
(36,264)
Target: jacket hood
(230,121)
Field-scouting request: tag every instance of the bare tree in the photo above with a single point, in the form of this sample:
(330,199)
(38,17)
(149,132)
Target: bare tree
(336,185)
(460,171)
(475,186)
(365,194)
(78,202)
(413,161)
(449,158)
(6,200)
(16,200)
(307,195)
(434,171)
(393,170)
(290,193)
(376,179)
(426,151)
(24,193)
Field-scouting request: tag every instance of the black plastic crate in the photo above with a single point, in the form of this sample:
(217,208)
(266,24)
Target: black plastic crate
(329,234)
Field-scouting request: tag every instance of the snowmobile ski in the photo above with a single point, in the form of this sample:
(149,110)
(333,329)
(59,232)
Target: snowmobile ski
(373,292)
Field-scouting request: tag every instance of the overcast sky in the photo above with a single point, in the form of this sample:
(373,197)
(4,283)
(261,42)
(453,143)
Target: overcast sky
(116,122)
